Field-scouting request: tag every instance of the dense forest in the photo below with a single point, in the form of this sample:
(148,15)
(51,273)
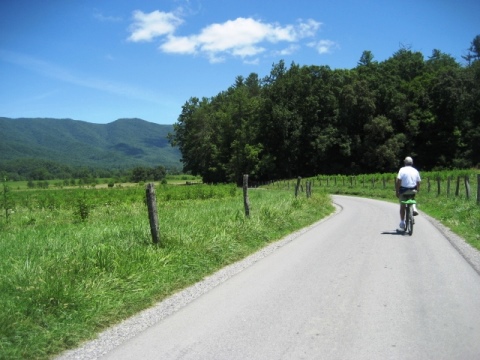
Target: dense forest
(308,120)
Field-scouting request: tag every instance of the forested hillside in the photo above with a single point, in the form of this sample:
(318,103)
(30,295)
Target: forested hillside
(307,120)
(41,149)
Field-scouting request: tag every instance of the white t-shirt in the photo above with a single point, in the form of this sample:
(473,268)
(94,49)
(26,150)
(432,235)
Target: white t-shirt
(409,176)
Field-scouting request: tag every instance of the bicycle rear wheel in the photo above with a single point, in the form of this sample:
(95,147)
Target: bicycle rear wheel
(409,220)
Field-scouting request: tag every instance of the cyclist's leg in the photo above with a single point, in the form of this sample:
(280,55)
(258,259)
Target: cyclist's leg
(402,211)
(407,217)
(414,208)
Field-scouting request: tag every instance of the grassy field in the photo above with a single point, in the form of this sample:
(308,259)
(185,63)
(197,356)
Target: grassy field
(75,261)
(97,183)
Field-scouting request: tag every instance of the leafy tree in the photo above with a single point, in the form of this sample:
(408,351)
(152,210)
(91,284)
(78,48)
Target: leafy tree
(198,142)
(469,113)
(139,174)
(244,151)
(366,59)
(282,122)
(382,147)
(158,173)
(305,120)
(473,51)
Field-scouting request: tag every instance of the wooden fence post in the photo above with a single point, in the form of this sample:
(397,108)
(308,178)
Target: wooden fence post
(478,189)
(438,185)
(449,178)
(467,186)
(298,186)
(309,189)
(246,203)
(457,189)
(152,213)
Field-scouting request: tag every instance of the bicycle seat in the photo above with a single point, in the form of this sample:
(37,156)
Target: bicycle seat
(409,202)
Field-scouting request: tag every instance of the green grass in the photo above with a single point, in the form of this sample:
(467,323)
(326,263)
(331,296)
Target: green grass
(183,179)
(64,277)
(458,214)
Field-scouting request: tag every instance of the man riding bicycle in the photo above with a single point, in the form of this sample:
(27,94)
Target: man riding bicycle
(408,183)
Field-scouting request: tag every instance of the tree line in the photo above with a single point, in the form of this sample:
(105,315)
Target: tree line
(308,120)
(38,171)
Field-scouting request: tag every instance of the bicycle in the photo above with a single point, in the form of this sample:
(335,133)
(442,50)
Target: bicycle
(409,217)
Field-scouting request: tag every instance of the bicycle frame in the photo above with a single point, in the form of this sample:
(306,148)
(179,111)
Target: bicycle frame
(409,219)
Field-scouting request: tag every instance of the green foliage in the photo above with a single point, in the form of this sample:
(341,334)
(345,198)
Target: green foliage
(474,51)
(142,174)
(305,120)
(83,208)
(62,281)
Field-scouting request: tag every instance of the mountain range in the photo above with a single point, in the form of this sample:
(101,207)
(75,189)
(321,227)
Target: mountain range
(121,144)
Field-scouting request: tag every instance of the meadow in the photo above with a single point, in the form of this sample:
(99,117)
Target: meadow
(76,260)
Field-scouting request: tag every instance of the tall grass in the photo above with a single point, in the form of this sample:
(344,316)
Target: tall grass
(65,276)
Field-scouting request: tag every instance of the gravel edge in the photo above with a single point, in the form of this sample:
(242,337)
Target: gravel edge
(129,328)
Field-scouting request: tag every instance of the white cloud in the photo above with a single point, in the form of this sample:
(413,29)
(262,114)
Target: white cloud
(148,26)
(232,35)
(179,45)
(308,28)
(324,46)
(288,50)
(243,37)
(106,18)
(246,51)
(255,61)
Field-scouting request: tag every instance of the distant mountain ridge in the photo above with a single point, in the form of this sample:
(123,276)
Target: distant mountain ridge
(121,144)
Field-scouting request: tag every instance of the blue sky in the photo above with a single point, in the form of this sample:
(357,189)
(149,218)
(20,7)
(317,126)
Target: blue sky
(102,60)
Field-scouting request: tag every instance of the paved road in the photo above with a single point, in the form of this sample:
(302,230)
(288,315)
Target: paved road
(349,288)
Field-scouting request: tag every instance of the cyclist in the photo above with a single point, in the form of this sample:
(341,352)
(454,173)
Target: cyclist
(408,178)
